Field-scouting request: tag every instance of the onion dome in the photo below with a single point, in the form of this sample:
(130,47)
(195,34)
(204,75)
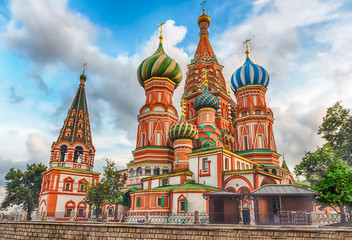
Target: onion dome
(182,130)
(159,65)
(206,99)
(249,74)
(204,18)
(83,76)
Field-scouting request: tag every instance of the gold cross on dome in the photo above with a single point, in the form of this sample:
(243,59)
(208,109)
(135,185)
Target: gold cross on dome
(84,68)
(247,51)
(161,31)
(203,4)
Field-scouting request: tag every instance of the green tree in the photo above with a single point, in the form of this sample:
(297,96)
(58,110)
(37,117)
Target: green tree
(23,188)
(108,189)
(314,164)
(337,130)
(96,196)
(335,188)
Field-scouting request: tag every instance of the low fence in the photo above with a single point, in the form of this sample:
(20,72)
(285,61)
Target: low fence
(128,217)
(283,218)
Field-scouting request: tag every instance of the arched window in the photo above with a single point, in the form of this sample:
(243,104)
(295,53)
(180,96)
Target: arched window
(69,207)
(78,156)
(147,170)
(165,170)
(273,171)
(156,171)
(131,172)
(63,153)
(81,209)
(139,171)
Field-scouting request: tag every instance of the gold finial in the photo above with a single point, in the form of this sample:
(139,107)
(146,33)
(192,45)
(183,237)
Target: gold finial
(283,157)
(161,31)
(205,77)
(183,107)
(247,51)
(228,87)
(203,4)
(84,68)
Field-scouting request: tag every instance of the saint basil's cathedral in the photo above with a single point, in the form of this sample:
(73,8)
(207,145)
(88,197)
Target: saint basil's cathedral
(217,146)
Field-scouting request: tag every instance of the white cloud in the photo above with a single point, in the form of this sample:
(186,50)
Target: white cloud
(307,50)
(53,38)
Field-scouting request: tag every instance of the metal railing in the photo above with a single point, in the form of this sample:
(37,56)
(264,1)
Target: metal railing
(158,217)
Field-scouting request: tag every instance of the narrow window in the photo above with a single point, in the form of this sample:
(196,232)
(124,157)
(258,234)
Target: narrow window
(158,139)
(245,143)
(67,186)
(226,163)
(143,140)
(138,204)
(161,201)
(156,171)
(80,212)
(165,170)
(244,101)
(260,141)
(205,164)
(164,182)
(139,171)
(183,206)
(255,100)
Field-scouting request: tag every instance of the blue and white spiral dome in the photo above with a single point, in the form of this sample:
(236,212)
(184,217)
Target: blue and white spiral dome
(249,74)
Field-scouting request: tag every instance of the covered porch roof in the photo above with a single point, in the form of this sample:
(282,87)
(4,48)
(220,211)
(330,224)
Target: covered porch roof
(283,190)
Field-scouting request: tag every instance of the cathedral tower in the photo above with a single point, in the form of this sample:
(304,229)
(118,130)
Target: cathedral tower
(71,161)
(159,75)
(204,60)
(254,120)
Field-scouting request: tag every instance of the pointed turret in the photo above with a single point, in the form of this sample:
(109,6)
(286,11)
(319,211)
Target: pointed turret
(74,148)
(197,95)
(71,162)
(284,164)
(76,126)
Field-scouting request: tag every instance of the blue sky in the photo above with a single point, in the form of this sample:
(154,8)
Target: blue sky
(306,47)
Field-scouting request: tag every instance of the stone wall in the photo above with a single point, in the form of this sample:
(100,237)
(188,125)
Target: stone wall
(46,230)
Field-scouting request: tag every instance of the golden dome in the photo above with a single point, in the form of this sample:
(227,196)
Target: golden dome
(204,18)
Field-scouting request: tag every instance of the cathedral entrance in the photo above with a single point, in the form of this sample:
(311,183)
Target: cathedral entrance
(223,207)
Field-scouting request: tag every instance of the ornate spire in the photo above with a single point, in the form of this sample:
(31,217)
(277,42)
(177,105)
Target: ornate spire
(76,127)
(205,79)
(183,108)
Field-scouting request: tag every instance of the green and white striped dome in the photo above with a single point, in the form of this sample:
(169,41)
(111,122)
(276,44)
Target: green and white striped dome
(183,130)
(159,65)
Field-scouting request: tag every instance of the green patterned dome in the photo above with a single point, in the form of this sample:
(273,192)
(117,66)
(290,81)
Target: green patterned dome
(182,130)
(159,65)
